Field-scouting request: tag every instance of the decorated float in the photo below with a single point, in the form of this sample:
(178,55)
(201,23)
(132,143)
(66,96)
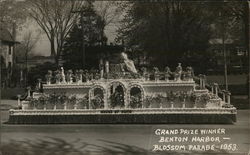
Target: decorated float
(118,93)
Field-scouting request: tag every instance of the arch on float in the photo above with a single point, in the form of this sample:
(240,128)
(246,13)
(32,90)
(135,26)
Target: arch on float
(92,90)
(92,93)
(117,83)
(142,92)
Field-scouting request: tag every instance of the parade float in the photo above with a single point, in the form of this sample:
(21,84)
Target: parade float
(118,93)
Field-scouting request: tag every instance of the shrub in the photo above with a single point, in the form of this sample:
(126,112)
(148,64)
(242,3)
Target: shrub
(136,101)
(97,102)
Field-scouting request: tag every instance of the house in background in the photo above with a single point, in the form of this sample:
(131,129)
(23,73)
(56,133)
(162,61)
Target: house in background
(236,56)
(7,44)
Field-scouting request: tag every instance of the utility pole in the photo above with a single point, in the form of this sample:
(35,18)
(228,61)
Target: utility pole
(223,27)
(225,57)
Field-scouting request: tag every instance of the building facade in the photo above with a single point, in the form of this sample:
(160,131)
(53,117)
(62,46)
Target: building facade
(7,44)
(236,58)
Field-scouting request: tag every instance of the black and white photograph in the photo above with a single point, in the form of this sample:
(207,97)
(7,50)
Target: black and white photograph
(129,77)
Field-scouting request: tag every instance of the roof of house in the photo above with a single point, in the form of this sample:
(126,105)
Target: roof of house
(5,35)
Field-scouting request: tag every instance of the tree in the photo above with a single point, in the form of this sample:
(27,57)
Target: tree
(56,19)
(166,30)
(230,18)
(92,34)
(24,51)
(240,12)
(29,42)
(230,28)
(12,15)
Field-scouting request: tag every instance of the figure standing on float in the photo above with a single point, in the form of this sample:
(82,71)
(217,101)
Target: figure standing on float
(129,64)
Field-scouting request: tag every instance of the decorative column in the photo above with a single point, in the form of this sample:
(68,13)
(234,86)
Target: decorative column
(39,83)
(160,105)
(200,78)
(101,68)
(172,104)
(63,75)
(65,106)
(195,106)
(126,97)
(184,103)
(28,91)
(228,97)
(18,101)
(90,97)
(75,106)
(114,86)
(22,107)
(105,98)
(212,89)
(71,79)
(101,73)
(224,95)
(126,100)
(216,88)
(143,104)
(44,106)
(80,76)
(203,81)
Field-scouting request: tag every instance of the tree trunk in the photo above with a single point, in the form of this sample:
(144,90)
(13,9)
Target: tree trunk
(52,48)
(53,52)
(57,60)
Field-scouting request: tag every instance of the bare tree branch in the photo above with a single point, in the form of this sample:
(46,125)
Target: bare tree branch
(56,19)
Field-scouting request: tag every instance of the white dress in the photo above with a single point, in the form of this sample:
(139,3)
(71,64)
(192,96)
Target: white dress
(130,66)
